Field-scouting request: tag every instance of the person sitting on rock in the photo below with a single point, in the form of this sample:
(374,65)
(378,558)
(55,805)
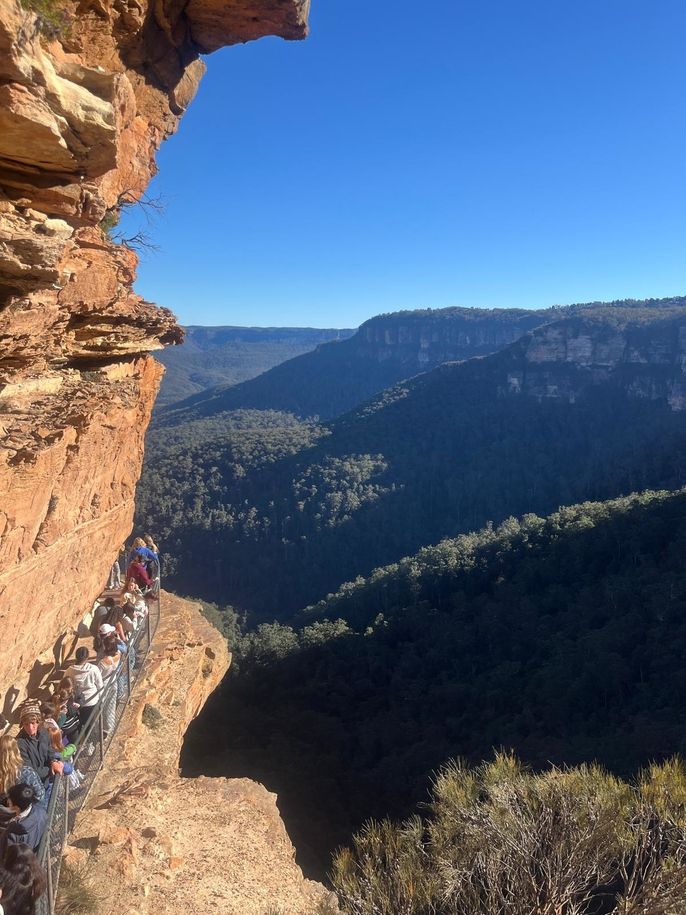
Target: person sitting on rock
(28,823)
(13,771)
(34,743)
(88,684)
(22,880)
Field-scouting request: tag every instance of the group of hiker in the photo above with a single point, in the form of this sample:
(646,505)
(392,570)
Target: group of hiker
(53,732)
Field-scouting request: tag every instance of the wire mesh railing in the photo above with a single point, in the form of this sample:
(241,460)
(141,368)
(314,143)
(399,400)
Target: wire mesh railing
(66,801)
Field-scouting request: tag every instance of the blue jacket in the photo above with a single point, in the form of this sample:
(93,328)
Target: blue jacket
(143,551)
(27,831)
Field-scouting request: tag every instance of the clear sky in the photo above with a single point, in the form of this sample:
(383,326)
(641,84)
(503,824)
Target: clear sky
(455,152)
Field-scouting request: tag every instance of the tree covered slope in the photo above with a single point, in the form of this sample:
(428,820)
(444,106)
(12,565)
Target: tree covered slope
(270,519)
(561,638)
(337,376)
(212,356)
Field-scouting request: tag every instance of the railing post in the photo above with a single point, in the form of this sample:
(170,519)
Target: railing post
(101,727)
(65,831)
(56,834)
(50,890)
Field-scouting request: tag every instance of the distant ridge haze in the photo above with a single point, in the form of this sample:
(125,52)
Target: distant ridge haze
(339,374)
(335,370)
(228,355)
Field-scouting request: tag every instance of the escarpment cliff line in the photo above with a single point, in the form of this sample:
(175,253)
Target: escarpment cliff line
(178,844)
(88,92)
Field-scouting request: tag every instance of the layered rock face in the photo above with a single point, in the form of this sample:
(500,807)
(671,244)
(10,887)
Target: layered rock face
(183,845)
(85,101)
(425,339)
(565,360)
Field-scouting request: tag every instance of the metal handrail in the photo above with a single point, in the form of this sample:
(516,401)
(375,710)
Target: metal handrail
(64,803)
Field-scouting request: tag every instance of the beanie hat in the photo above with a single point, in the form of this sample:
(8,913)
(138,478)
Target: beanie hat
(106,629)
(50,723)
(30,709)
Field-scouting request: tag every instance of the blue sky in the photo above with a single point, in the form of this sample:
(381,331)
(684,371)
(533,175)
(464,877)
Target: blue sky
(460,152)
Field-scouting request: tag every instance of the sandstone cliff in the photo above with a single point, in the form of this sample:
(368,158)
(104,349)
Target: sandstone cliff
(88,92)
(568,359)
(386,349)
(182,845)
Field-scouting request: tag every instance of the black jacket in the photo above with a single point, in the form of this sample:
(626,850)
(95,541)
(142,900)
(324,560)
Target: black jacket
(37,752)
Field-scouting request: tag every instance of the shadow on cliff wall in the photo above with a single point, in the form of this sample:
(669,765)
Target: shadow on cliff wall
(43,674)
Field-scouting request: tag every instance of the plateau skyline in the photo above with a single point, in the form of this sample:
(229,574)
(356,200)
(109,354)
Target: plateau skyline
(480,156)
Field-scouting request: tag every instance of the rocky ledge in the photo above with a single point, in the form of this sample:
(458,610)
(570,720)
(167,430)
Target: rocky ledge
(177,844)
(89,89)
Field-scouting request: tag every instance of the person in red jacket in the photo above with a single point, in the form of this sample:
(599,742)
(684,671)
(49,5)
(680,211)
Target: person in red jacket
(138,573)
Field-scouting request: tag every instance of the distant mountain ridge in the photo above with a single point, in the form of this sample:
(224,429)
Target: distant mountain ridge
(227,355)
(590,406)
(337,376)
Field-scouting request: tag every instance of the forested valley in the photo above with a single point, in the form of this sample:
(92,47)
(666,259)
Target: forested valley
(270,512)
(339,375)
(213,356)
(485,557)
(561,638)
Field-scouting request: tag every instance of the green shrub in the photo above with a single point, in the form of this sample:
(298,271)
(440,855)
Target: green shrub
(78,893)
(52,19)
(501,839)
(152,716)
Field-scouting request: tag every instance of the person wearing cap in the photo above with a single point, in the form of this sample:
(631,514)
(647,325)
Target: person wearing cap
(34,742)
(109,637)
(88,684)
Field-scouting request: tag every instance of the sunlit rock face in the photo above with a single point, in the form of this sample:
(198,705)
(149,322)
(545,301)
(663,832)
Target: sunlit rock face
(428,338)
(82,114)
(564,361)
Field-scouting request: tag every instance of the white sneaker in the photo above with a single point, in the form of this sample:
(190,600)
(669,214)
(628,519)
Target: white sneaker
(90,749)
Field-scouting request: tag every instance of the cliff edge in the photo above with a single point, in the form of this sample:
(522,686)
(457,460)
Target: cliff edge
(89,89)
(178,844)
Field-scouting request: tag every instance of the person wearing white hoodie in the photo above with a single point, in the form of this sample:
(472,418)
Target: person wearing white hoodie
(88,685)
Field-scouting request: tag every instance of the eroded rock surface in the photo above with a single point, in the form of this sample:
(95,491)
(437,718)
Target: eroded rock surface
(564,361)
(84,105)
(183,845)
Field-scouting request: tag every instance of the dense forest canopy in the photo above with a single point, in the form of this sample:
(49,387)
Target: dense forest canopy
(561,638)
(433,601)
(269,513)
